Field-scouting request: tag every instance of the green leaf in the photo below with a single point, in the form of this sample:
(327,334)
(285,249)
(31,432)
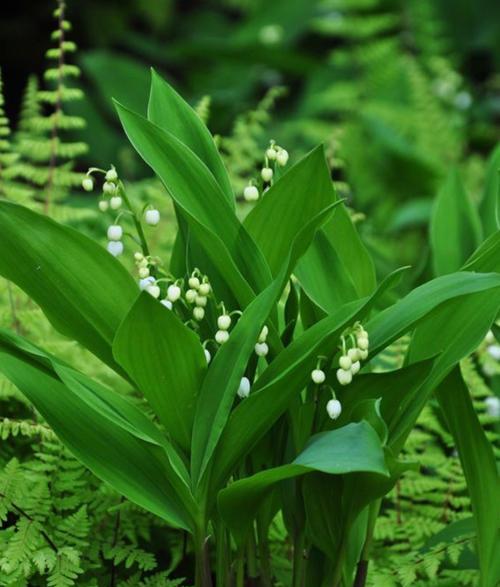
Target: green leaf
(100,434)
(489,208)
(455,226)
(168,110)
(486,257)
(478,462)
(203,204)
(353,448)
(166,361)
(82,289)
(288,205)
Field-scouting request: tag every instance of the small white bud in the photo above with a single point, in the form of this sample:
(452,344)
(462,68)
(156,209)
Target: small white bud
(344,377)
(222,336)
(355,367)
(111,175)
(201,301)
(88,184)
(153,290)
(191,296)
(109,188)
(362,342)
(115,202)
(173,292)
(251,193)
(115,248)
(138,256)
(362,354)
(103,205)
(494,351)
(493,406)
(261,349)
(345,362)
(166,303)
(198,313)
(152,217)
(334,408)
(115,232)
(208,356)
(318,376)
(271,153)
(353,354)
(263,334)
(267,173)
(224,322)
(282,157)
(204,289)
(244,388)
(145,282)
(143,272)
(194,282)
(490,337)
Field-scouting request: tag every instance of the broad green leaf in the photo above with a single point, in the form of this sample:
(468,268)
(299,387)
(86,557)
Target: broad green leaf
(202,203)
(478,462)
(288,205)
(166,361)
(489,208)
(285,377)
(216,400)
(168,110)
(101,437)
(82,289)
(455,226)
(353,448)
(486,257)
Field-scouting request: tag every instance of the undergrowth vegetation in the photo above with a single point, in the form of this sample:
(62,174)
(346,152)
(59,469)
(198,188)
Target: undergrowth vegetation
(217,367)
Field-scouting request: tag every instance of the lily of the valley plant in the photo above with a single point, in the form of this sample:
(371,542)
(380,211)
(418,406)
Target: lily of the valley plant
(254,349)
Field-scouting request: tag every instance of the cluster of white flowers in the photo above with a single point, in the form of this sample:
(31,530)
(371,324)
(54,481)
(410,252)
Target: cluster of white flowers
(275,155)
(197,294)
(349,365)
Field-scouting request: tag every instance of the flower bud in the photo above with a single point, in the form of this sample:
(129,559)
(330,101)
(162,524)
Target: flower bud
(201,301)
(334,408)
(251,193)
(194,282)
(344,377)
(166,303)
(244,388)
(138,256)
(152,217)
(353,354)
(318,376)
(345,362)
(362,342)
(494,351)
(261,349)
(222,336)
(103,205)
(143,272)
(173,292)
(198,313)
(88,184)
(191,296)
(271,153)
(109,188)
(224,322)
(363,354)
(115,202)
(154,290)
(115,232)
(282,157)
(208,356)
(111,175)
(355,367)
(115,248)
(267,174)
(204,289)
(145,282)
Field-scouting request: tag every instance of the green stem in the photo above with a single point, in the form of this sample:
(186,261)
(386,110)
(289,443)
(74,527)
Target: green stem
(137,222)
(362,567)
(221,556)
(339,564)
(298,558)
(240,571)
(251,556)
(202,563)
(264,555)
